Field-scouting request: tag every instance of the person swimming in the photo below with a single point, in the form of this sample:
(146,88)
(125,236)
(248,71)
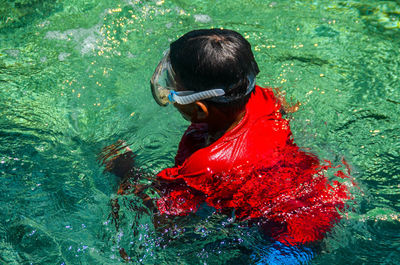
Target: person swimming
(238,155)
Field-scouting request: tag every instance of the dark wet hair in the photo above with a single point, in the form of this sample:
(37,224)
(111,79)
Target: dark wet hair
(213,58)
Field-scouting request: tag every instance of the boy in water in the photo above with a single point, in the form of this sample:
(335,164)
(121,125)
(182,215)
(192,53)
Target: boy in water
(238,153)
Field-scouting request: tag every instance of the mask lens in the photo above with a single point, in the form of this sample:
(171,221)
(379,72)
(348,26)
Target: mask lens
(162,81)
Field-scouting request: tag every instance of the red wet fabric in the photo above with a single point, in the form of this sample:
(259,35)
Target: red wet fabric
(257,170)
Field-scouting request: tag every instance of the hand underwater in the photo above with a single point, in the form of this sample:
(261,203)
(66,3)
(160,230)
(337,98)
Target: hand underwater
(117,158)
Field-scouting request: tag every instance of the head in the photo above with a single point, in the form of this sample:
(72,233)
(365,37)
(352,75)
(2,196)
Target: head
(207,59)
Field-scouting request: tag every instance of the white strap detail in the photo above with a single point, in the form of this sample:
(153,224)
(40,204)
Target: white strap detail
(182,99)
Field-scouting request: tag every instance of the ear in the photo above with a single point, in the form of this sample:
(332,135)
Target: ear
(201,110)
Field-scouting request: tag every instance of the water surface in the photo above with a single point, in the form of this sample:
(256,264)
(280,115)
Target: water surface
(74,77)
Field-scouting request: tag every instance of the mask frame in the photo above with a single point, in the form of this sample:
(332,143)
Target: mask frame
(163,87)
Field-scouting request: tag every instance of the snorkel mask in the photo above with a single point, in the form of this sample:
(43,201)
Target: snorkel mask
(163,87)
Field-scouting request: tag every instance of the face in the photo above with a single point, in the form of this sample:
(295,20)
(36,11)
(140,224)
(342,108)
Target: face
(188,112)
(194,112)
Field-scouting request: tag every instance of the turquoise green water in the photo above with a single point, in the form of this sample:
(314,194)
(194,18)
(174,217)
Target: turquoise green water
(74,77)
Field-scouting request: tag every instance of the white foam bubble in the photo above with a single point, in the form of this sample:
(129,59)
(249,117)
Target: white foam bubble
(130,55)
(86,39)
(88,44)
(56,35)
(202,18)
(63,55)
(12,52)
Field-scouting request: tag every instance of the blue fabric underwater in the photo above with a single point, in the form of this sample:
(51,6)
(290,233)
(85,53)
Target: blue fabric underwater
(279,254)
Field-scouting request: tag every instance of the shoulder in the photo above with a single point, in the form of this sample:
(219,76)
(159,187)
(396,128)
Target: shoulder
(266,92)
(263,103)
(207,159)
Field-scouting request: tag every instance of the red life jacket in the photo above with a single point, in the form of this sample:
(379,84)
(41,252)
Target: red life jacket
(257,170)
